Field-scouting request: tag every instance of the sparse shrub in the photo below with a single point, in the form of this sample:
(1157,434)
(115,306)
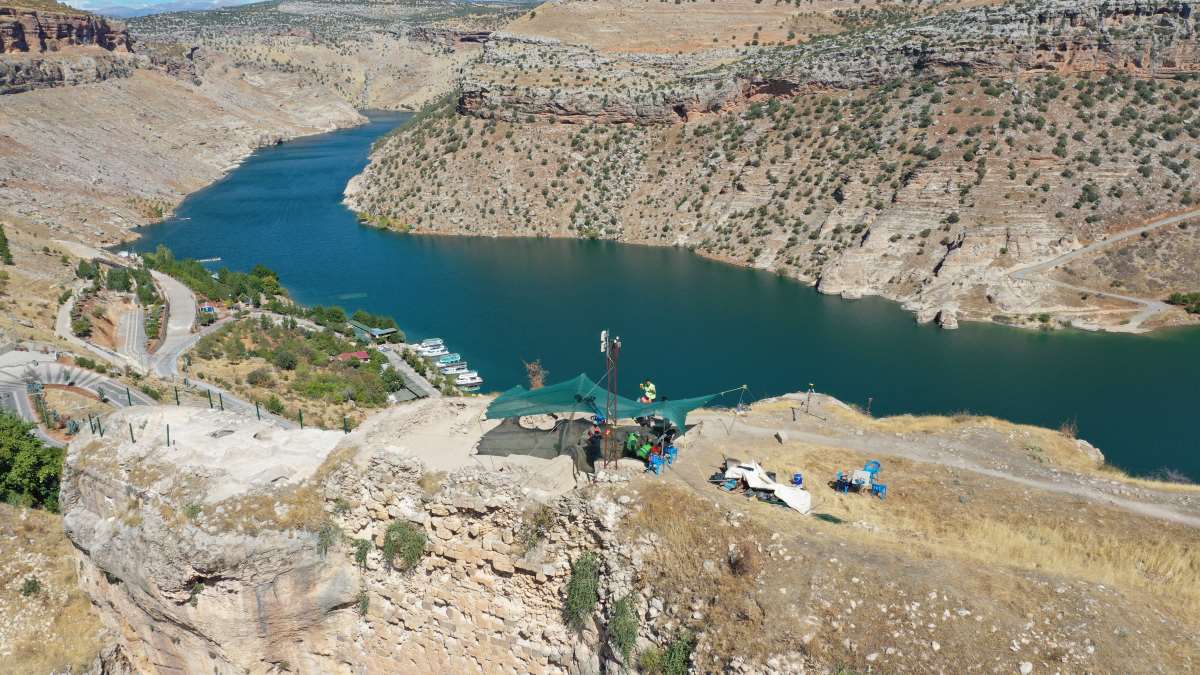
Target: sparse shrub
(364,602)
(623,627)
(1070,429)
(327,537)
(582,590)
(535,525)
(191,511)
(31,586)
(403,545)
(361,548)
(259,377)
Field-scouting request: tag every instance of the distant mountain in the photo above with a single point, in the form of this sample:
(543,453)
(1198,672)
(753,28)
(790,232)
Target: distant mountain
(146,9)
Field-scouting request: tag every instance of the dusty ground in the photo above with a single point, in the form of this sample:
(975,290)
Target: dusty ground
(997,545)
(55,628)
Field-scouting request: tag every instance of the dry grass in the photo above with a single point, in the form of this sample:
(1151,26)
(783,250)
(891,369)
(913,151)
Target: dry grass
(1056,447)
(691,561)
(55,629)
(949,513)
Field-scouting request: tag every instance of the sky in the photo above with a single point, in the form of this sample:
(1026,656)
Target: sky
(157,5)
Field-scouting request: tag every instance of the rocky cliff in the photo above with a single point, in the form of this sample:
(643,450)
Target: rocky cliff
(242,547)
(29,30)
(278,562)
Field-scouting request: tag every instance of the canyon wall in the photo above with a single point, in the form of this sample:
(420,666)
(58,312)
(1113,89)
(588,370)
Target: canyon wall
(926,159)
(29,30)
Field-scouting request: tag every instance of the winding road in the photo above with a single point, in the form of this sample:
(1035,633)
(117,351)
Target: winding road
(1150,307)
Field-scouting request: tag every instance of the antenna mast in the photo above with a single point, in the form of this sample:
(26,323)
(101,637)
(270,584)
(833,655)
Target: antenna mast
(611,348)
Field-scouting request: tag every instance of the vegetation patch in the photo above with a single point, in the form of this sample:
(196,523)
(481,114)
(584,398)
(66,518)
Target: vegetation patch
(403,545)
(582,590)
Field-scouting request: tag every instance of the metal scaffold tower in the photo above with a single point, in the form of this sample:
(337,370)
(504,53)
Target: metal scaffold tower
(611,348)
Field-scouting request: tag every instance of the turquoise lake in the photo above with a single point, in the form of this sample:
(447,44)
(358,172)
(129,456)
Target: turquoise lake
(692,325)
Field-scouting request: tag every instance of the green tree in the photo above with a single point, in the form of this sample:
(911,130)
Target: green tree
(5,253)
(29,469)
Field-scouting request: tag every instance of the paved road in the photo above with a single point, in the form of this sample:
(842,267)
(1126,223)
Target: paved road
(418,384)
(181,318)
(62,327)
(13,393)
(132,335)
(1150,307)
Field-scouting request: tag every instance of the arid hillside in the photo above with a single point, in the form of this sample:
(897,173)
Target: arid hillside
(389,55)
(929,159)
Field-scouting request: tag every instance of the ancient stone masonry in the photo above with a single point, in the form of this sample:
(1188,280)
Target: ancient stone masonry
(196,577)
(26,30)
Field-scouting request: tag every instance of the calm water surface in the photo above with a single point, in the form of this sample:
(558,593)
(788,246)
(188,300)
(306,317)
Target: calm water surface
(693,325)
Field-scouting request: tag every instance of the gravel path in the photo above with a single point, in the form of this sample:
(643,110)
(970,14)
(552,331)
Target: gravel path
(1150,307)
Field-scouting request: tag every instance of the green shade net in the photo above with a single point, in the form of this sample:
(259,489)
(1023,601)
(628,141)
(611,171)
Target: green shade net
(581,395)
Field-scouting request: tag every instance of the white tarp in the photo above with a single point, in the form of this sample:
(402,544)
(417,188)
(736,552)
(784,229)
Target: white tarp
(757,479)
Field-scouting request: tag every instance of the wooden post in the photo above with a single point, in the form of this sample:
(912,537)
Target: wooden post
(257,411)
(345,425)
(221,400)
(209,392)
(176,395)
(128,396)
(168,435)
(301,413)
(131,440)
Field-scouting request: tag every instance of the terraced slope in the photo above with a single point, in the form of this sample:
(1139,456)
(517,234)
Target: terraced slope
(921,159)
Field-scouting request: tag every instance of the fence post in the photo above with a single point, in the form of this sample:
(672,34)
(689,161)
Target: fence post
(177,395)
(221,400)
(100,427)
(345,425)
(209,392)
(301,413)
(128,396)
(168,435)
(131,440)
(257,411)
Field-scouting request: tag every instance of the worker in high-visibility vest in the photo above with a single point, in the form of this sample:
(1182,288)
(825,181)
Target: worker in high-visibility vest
(648,392)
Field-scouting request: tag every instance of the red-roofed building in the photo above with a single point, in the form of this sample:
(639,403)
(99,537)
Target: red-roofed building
(361,357)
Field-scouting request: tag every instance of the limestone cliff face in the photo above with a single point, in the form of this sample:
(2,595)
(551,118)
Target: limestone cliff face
(27,30)
(51,49)
(23,73)
(245,548)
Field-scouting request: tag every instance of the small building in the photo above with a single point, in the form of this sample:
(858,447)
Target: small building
(361,357)
(207,308)
(368,334)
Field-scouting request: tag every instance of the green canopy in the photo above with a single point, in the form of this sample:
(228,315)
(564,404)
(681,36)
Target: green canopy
(581,395)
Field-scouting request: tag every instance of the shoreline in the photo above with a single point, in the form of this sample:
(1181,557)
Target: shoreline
(1039,328)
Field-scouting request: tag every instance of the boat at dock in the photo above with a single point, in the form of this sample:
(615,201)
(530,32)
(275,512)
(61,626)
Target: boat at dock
(454,368)
(431,342)
(449,359)
(433,352)
(468,379)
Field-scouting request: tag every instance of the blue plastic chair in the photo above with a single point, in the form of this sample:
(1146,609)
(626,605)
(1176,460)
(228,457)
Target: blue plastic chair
(672,453)
(798,479)
(656,464)
(879,490)
(872,467)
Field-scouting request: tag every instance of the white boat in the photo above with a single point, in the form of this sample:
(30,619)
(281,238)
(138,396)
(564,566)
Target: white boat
(449,359)
(434,352)
(430,342)
(468,379)
(455,368)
